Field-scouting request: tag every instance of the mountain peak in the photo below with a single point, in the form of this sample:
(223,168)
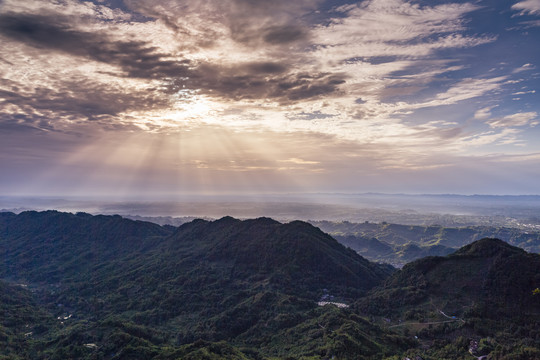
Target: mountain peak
(266,221)
(293,253)
(488,247)
(226,220)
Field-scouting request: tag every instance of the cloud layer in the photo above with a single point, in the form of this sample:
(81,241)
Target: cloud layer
(421,81)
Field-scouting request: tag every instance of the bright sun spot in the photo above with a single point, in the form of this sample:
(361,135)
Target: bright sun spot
(185,113)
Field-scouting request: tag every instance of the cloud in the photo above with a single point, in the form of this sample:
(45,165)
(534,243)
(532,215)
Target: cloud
(483,113)
(266,81)
(118,55)
(467,89)
(531,7)
(524,92)
(524,67)
(463,90)
(515,120)
(72,102)
(300,161)
(284,34)
(529,24)
(210,50)
(158,65)
(389,49)
(532,157)
(213,23)
(503,137)
(396,28)
(67,66)
(134,58)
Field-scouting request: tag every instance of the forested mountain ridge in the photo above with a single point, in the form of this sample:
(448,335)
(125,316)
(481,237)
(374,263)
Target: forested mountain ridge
(486,269)
(157,290)
(312,258)
(53,246)
(486,289)
(104,287)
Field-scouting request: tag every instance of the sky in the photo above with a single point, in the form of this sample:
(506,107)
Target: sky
(163,98)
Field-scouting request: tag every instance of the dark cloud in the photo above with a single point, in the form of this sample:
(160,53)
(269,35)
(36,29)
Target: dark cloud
(252,23)
(19,123)
(255,36)
(266,67)
(95,99)
(309,86)
(75,101)
(267,81)
(135,58)
(284,34)
(276,23)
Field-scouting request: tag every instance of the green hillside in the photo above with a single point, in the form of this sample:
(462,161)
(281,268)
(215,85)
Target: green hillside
(53,247)
(122,289)
(76,286)
(485,290)
(20,319)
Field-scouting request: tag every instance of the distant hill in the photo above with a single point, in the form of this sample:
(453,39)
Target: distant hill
(399,244)
(395,254)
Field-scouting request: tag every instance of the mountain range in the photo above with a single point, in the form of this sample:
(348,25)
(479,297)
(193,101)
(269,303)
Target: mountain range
(105,287)
(399,244)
